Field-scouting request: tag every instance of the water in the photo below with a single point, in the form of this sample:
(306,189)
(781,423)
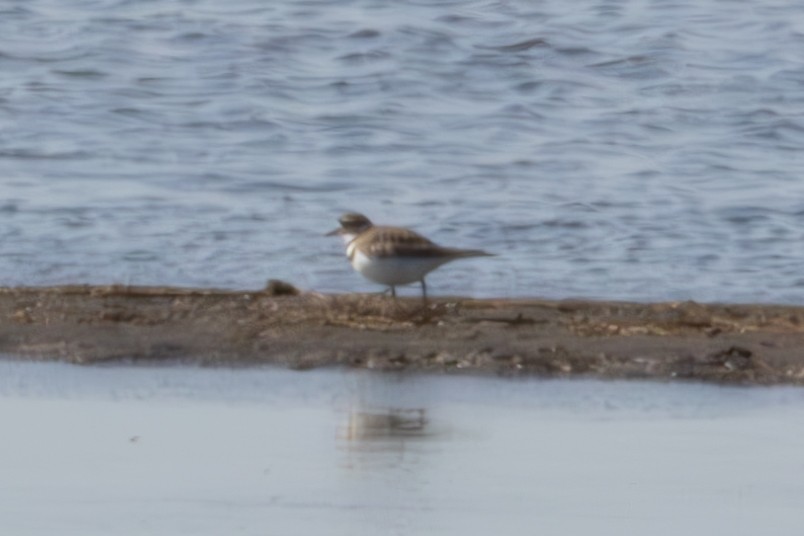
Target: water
(204,451)
(631,150)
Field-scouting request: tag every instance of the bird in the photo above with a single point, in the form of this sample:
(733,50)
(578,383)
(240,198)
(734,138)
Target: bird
(394,255)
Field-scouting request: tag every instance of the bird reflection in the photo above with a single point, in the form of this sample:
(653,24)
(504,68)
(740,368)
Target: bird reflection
(388,424)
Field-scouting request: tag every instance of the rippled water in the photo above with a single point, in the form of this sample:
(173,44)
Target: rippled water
(632,150)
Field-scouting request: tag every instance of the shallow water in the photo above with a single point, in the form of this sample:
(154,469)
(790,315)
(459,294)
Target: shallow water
(639,150)
(264,451)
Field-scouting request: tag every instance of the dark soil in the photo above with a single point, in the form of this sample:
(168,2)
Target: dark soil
(749,344)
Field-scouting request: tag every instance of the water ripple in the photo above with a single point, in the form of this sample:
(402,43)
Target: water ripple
(613,150)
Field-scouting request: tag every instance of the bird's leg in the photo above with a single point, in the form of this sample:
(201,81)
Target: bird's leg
(424,291)
(390,290)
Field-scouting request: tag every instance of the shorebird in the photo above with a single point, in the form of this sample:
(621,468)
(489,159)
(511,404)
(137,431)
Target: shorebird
(394,255)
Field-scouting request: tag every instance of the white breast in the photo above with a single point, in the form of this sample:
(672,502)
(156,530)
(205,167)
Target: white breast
(393,270)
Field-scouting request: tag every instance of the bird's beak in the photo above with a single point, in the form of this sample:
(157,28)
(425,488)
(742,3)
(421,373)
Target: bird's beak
(335,232)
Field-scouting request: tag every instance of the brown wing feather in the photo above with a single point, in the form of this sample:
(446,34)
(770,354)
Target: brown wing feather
(381,241)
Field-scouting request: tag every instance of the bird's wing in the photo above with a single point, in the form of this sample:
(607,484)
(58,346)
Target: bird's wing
(387,241)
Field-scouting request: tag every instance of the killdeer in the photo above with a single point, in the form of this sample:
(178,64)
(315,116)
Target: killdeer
(394,255)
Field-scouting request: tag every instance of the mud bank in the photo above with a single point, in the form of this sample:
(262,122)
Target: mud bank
(753,344)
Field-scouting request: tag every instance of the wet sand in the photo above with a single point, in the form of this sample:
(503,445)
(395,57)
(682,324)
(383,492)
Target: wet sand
(745,344)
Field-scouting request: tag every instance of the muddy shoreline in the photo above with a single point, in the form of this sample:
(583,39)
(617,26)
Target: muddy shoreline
(745,344)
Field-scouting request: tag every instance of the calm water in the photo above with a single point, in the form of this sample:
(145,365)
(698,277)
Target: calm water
(191,451)
(634,150)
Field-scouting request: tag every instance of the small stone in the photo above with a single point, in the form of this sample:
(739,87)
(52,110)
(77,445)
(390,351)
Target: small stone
(275,287)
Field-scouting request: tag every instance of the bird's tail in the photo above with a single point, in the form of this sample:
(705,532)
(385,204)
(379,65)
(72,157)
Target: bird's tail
(463,253)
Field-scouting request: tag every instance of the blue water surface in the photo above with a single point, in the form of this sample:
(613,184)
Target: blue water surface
(645,150)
